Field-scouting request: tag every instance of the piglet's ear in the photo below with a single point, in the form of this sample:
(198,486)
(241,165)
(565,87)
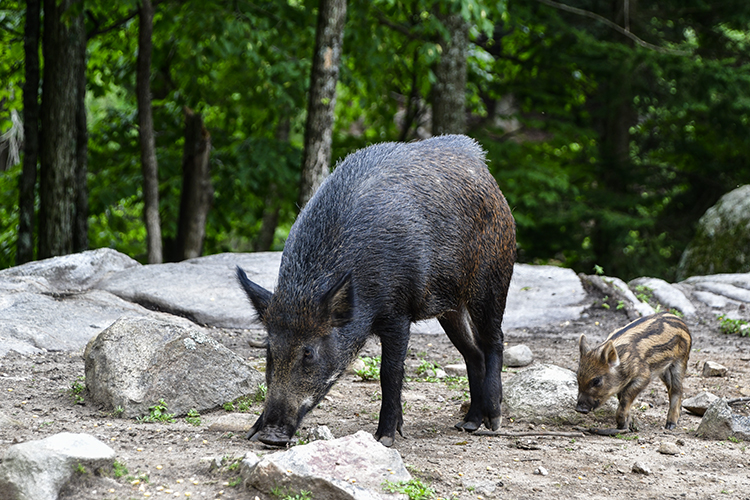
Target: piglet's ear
(609,355)
(338,301)
(583,346)
(259,296)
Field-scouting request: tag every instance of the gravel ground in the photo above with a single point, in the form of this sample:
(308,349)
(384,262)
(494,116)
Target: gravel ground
(179,460)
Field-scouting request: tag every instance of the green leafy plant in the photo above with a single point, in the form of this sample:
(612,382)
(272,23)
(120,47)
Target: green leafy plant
(731,326)
(77,388)
(80,469)
(158,413)
(427,369)
(119,470)
(415,489)
(285,494)
(261,393)
(193,417)
(371,371)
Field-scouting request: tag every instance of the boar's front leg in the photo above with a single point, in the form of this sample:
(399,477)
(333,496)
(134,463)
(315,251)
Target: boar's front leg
(394,337)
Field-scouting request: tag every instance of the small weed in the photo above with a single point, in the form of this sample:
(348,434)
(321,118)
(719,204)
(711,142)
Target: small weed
(228,406)
(598,270)
(284,494)
(119,470)
(158,413)
(634,437)
(371,371)
(77,388)
(414,489)
(644,293)
(427,369)
(80,469)
(733,439)
(117,412)
(235,465)
(193,417)
(261,393)
(731,326)
(235,482)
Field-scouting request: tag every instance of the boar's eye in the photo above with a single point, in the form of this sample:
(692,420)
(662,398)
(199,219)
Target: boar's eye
(308,354)
(597,382)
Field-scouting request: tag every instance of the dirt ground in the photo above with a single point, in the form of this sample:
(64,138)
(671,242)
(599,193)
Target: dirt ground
(175,460)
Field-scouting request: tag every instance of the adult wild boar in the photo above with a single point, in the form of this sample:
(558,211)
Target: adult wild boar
(396,234)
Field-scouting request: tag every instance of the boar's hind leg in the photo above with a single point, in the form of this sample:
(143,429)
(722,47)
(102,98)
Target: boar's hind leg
(394,337)
(459,328)
(672,378)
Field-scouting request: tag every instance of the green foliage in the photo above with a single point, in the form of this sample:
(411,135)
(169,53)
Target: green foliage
(244,404)
(119,469)
(731,326)
(158,413)
(193,418)
(371,370)
(607,150)
(286,494)
(415,489)
(77,390)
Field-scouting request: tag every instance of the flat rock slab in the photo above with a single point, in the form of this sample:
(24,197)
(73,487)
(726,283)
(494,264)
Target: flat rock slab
(37,470)
(538,296)
(204,290)
(349,468)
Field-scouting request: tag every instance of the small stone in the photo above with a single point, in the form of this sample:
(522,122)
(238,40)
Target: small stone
(699,404)
(318,433)
(458,370)
(668,449)
(517,356)
(712,369)
(641,468)
(357,366)
(541,471)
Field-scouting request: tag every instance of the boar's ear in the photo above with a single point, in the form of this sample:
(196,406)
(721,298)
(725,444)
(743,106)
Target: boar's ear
(583,346)
(259,296)
(338,302)
(609,355)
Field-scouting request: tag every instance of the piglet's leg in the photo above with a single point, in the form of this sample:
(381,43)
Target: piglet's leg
(672,378)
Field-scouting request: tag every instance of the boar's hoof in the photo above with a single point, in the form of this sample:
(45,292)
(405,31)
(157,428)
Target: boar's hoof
(468,425)
(386,441)
(493,423)
(670,426)
(273,437)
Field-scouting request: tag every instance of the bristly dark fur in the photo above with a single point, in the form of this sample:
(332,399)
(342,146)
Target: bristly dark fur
(625,363)
(397,233)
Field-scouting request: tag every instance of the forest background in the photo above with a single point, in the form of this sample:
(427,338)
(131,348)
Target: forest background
(610,125)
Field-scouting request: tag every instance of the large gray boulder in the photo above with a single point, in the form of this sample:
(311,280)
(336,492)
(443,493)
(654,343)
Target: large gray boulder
(349,468)
(545,394)
(667,294)
(719,422)
(37,470)
(138,361)
(49,304)
(722,240)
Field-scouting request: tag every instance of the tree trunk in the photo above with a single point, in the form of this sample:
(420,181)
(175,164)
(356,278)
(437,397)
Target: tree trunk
(81,222)
(58,121)
(449,91)
(27,181)
(146,133)
(197,192)
(272,204)
(316,157)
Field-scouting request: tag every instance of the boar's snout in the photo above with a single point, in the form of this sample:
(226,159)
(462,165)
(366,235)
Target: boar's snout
(275,436)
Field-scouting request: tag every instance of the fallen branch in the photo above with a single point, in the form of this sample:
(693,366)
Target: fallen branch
(737,400)
(529,434)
